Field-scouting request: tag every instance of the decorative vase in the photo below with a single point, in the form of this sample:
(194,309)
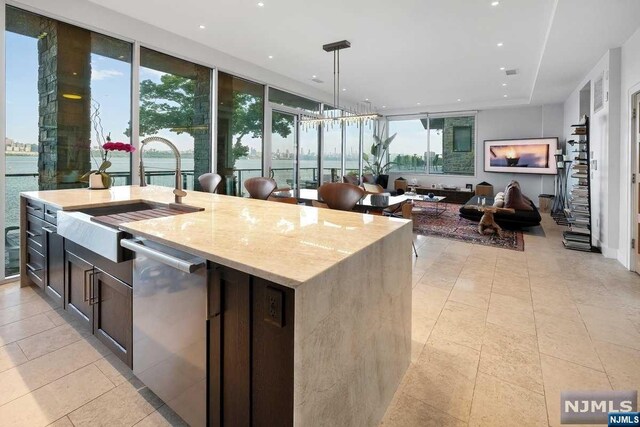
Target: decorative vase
(96,182)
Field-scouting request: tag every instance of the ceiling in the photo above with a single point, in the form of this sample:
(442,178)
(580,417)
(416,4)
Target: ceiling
(410,55)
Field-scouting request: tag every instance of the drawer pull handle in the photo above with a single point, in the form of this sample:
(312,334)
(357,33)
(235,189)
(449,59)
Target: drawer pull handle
(32,234)
(33,268)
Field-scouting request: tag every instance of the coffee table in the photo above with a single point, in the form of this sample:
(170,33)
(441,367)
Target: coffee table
(433,206)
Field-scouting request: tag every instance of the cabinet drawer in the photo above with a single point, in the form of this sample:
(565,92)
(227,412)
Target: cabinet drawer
(35,208)
(51,214)
(35,233)
(35,266)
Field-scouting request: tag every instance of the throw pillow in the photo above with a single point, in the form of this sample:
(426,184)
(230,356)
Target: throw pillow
(498,201)
(513,199)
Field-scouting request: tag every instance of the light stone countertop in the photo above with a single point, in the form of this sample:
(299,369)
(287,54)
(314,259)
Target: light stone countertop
(284,243)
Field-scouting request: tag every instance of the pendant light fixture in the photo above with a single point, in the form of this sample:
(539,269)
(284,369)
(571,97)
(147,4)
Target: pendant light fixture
(362,114)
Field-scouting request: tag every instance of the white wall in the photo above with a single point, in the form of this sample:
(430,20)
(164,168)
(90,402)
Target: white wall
(505,123)
(604,147)
(630,83)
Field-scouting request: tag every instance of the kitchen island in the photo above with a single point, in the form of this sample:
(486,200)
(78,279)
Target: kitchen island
(345,283)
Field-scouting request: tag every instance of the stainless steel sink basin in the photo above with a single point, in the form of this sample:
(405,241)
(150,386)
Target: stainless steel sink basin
(97,229)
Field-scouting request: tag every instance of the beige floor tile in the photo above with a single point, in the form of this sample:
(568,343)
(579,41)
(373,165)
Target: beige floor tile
(18,381)
(520,290)
(478,299)
(428,300)
(444,376)
(10,356)
(24,328)
(23,311)
(554,302)
(163,417)
(127,404)
(560,375)
(62,422)
(114,369)
(622,365)
(511,313)
(51,340)
(461,323)
(409,411)
(439,281)
(18,296)
(512,356)
(498,403)
(607,325)
(573,348)
(556,325)
(55,400)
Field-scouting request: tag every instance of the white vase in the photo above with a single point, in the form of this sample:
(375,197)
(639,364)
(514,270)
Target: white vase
(95,181)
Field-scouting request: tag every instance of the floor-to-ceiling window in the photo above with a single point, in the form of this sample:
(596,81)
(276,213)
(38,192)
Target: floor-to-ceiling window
(332,148)
(352,154)
(438,144)
(57,76)
(240,131)
(307,149)
(175,104)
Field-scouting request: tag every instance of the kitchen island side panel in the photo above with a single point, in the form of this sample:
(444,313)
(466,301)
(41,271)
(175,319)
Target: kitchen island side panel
(353,335)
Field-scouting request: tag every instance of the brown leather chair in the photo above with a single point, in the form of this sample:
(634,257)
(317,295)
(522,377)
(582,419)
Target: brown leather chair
(281,199)
(209,182)
(340,196)
(260,187)
(350,179)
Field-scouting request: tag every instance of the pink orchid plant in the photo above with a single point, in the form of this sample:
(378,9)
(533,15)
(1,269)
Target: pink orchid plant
(106,146)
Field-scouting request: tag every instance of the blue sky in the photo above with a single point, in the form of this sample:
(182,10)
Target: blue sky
(110,86)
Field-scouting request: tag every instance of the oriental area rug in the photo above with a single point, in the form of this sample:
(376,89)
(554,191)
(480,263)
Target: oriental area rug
(449,225)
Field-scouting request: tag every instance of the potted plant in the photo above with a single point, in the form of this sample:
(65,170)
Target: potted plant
(378,160)
(99,178)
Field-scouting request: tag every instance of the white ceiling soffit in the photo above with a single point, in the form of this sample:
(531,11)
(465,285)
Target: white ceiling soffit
(409,55)
(581,33)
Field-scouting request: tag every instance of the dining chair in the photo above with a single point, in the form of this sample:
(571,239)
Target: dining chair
(407,210)
(317,204)
(290,200)
(260,187)
(340,196)
(209,182)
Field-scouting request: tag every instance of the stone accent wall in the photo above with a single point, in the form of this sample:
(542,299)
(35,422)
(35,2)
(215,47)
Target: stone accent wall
(457,163)
(64,56)
(202,124)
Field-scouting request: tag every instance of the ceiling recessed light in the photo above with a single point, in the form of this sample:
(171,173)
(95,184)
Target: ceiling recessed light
(314,76)
(501,68)
(202,27)
(366,99)
(459,99)
(344,89)
(260,4)
(418,103)
(495,3)
(75,74)
(504,84)
(500,44)
(384,106)
(270,56)
(505,96)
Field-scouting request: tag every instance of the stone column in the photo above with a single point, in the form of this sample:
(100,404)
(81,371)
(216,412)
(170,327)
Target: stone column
(202,124)
(64,88)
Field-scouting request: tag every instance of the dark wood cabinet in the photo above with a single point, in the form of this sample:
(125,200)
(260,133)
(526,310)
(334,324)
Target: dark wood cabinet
(54,264)
(101,299)
(250,350)
(78,278)
(112,303)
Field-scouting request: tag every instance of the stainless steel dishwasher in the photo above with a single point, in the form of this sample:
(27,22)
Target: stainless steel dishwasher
(169,326)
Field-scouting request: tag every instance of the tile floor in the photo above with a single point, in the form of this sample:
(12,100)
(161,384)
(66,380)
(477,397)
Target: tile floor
(496,333)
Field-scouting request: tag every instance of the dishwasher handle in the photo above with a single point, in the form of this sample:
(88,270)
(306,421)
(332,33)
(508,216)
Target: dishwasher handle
(171,261)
